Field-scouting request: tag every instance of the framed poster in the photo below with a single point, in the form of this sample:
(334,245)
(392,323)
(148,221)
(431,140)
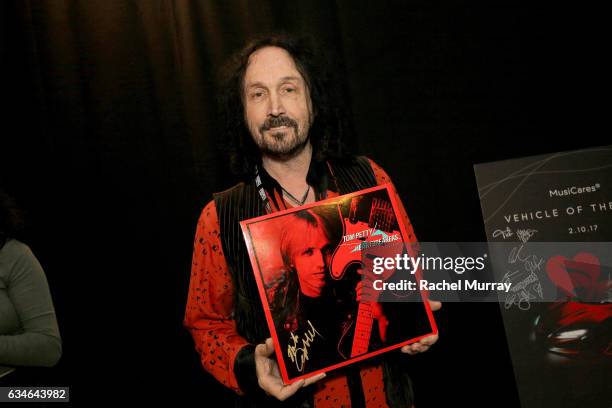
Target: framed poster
(310,272)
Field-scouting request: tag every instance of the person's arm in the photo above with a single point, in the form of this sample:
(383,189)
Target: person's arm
(210,302)
(38,343)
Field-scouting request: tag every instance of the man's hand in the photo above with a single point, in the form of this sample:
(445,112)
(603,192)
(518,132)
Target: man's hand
(269,377)
(425,343)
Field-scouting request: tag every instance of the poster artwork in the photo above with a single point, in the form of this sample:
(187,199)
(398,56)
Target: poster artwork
(312,281)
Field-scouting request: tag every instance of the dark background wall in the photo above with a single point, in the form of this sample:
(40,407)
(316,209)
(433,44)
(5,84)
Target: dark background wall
(110,141)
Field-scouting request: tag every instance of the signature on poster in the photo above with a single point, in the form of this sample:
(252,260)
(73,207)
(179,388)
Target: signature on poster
(531,263)
(299,355)
(522,291)
(506,233)
(526,285)
(525,234)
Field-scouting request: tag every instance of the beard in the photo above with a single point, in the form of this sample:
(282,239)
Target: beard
(281,143)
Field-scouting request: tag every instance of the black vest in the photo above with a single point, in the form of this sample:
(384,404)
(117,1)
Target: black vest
(242,202)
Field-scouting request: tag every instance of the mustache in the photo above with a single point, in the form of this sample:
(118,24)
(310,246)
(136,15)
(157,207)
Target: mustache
(278,121)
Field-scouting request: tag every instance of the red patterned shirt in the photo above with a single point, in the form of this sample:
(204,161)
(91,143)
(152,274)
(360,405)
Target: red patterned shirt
(208,315)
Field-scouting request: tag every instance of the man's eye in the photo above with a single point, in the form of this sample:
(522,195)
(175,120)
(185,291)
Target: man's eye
(289,90)
(308,251)
(257,95)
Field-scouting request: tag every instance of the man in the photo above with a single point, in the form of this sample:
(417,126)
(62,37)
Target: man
(286,133)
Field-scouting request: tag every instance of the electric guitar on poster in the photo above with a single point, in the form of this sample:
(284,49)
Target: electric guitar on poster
(357,234)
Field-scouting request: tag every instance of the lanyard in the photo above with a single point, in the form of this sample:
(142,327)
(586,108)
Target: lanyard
(263,195)
(269,204)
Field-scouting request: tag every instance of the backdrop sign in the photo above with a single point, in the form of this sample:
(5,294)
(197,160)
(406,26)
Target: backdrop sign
(561,350)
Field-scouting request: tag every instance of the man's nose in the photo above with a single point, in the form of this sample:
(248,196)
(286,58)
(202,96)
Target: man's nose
(275,107)
(319,259)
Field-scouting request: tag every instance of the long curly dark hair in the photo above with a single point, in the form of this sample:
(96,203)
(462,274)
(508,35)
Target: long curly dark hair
(330,125)
(12,223)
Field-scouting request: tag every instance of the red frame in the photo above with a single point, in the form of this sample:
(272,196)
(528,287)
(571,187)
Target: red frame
(262,292)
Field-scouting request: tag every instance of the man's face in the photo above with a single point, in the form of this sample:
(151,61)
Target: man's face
(277,105)
(311,261)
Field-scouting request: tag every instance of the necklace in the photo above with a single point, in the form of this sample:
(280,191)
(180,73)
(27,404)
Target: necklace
(295,200)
